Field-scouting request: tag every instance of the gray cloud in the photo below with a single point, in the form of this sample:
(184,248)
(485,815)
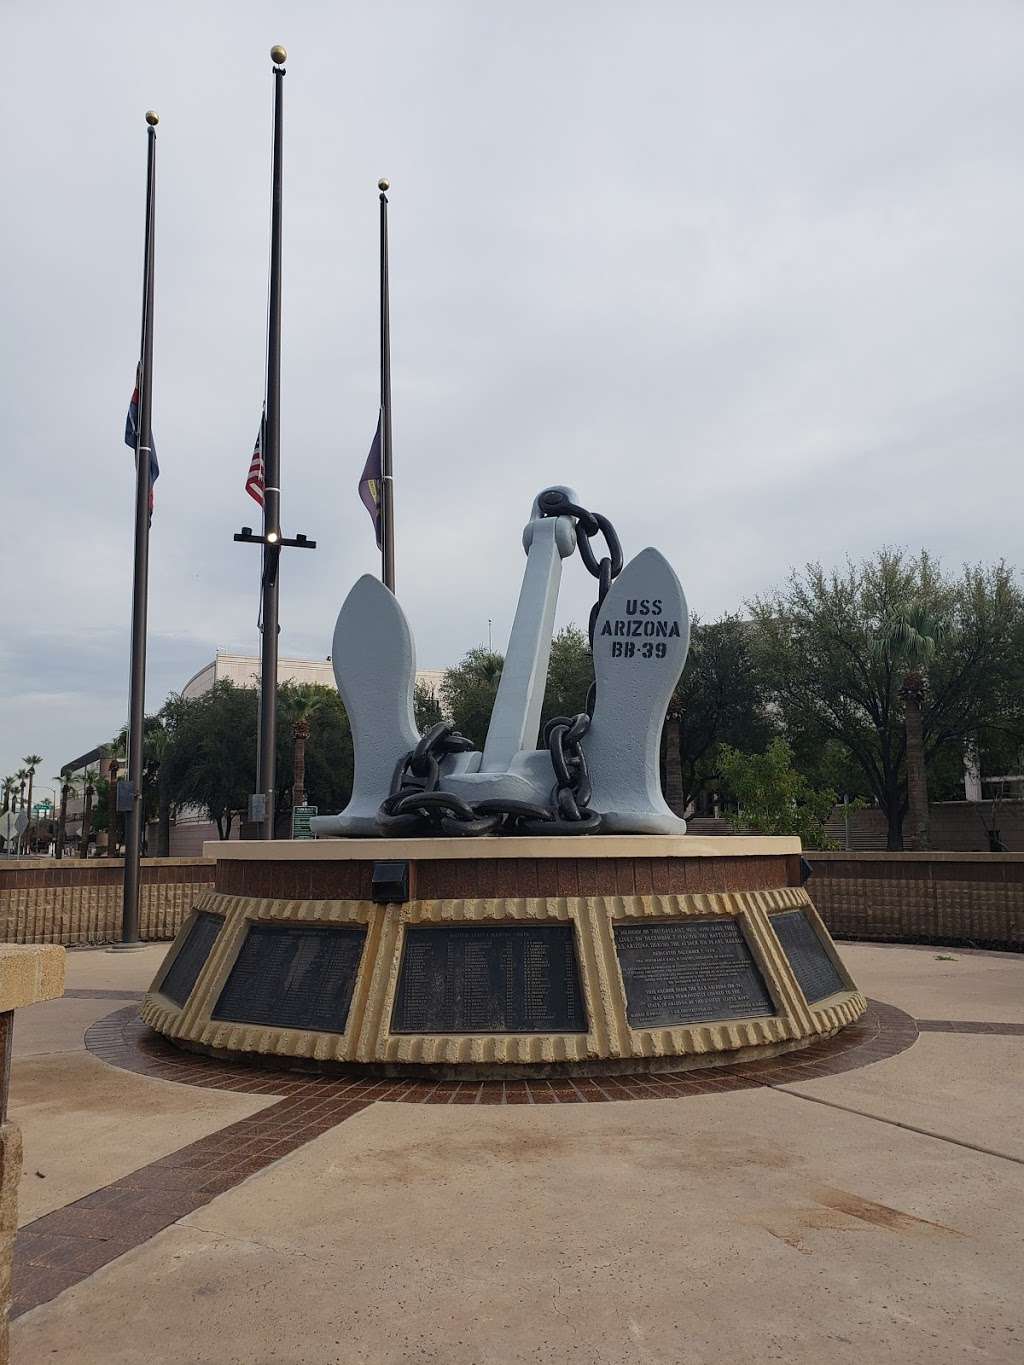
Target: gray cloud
(748,277)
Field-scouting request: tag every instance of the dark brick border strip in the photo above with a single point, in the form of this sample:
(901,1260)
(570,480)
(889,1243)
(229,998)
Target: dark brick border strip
(970,1026)
(62,1248)
(123,1040)
(102,995)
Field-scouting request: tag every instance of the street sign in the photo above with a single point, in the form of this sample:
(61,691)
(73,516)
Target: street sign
(301,816)
(7,825)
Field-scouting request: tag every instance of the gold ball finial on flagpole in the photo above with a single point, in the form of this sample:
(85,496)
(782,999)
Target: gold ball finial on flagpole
(278,54)
(383,185)
(152,117)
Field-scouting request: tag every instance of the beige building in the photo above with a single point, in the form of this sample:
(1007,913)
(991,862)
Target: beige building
(244,671)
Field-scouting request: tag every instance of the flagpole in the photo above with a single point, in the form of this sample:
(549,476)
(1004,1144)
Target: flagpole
(140,591)
(387,474)
(272,539)
(267,755)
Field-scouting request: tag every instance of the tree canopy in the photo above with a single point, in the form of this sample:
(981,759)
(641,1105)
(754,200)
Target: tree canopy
(720,699)
(773,797)
(833,667)
(821,667)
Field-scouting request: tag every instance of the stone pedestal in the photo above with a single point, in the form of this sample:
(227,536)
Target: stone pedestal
(28,974)
(504,956)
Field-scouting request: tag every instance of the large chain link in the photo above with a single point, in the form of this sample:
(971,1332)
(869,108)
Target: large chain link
(416,806)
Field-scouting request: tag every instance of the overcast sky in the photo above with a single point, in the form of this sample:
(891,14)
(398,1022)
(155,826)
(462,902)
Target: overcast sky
(747,276)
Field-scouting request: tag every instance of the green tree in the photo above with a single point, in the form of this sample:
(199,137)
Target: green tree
(303,711)
(719,699)
(89,780)
(910,637)
(322,748)
(831,676)
(468,691)
(156,802)
(570,675)
(426,707)
(31,762)
(68,787)
(773,797)
(210,760)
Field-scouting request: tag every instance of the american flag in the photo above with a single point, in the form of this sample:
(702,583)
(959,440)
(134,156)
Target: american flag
(254,483)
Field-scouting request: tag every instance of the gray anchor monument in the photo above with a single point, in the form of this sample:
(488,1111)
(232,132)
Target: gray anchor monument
(521,911)
(639,639)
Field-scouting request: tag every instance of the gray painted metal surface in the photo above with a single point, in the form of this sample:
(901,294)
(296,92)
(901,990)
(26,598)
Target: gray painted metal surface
(640,645)
(375,669)
(515,720)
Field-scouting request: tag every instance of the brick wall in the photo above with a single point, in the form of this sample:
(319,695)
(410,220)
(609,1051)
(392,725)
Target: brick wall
(971,899)
(78,900)
(954,826)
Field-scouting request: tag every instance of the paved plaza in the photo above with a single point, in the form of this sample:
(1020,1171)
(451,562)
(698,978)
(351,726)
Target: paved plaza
(856,1202)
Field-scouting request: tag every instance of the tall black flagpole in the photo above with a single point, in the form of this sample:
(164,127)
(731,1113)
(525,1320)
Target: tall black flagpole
(140,592)
(387,472)
(267,776)
(272,540)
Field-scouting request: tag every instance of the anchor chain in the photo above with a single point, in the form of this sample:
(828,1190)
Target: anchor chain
(416,806)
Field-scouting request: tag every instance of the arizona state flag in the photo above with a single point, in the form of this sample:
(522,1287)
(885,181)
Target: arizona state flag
(131,438)
(370,484)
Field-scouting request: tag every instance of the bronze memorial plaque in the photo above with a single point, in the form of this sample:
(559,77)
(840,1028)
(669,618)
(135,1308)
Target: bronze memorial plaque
(689,972)
(293,976)
(813,968)
(184,970)
(509,978)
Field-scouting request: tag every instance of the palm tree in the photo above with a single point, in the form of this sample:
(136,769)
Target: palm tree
(32,762)
(115,752)
(89,780)
(156,742)
(304,708)
(7,793)
(68,786)
(22,777)
(673,756)
(909,639)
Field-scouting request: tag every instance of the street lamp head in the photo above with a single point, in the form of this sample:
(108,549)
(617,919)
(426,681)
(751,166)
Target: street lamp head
(152,117)
(383,185)
(278,54)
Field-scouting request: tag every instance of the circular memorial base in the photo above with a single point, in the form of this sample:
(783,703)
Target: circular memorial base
(503,957)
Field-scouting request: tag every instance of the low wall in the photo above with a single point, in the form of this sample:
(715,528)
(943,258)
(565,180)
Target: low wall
(970,899)
(78,900)
(957,898)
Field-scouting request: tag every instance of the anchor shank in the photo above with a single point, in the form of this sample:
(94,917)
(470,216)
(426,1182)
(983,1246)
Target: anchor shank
(515,719)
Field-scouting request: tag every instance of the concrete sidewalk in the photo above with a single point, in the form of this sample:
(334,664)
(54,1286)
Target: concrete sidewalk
(851,1217)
